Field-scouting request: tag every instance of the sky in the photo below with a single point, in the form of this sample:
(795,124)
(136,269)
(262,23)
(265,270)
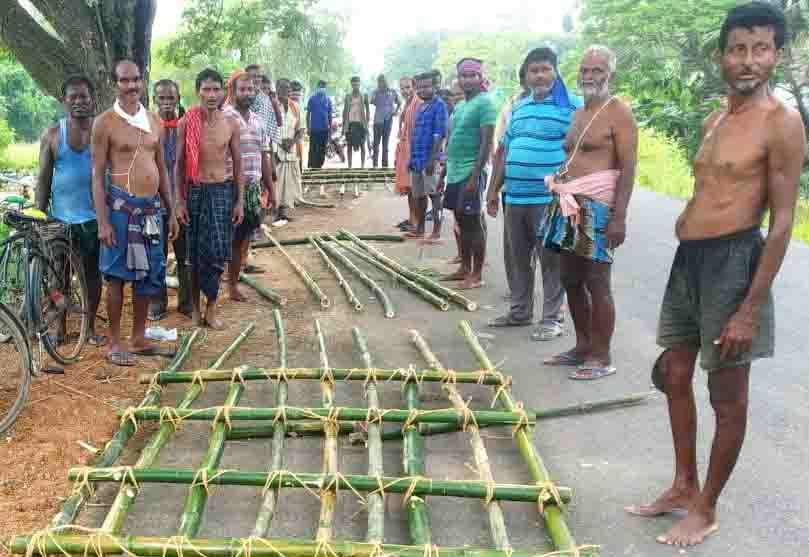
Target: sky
(373,24)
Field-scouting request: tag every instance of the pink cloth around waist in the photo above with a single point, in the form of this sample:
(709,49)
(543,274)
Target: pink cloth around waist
(599,186)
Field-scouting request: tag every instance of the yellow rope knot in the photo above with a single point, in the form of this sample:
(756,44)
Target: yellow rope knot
(197,379)
(575,551)
(280,415)
(375,415)
(154,384)
(524,422)
(377,550)
(83,481)
(431,550)
(247,544)
(223,412)
(504,387)
(177,543)
(129,416)
(324,548)
(450,377)
(237,373)
(170,415)
(468,416)
(371,377)
(201,478)
(548,493)
(334,485)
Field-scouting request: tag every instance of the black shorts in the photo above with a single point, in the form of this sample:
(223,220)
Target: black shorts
(457,200)
(709,280)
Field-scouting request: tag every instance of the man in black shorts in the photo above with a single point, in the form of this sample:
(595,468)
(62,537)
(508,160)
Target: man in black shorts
(356,115)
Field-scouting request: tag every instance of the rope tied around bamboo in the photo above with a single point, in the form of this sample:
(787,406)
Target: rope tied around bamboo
(246,547)
(38,543)
(202,478)
(126,474)
(548,493)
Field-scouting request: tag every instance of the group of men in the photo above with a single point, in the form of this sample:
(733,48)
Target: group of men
(129,181)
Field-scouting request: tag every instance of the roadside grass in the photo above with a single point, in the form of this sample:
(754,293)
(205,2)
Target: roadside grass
(664,168)
(20,157)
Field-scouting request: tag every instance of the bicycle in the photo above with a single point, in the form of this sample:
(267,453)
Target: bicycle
(16,367)
(42,282)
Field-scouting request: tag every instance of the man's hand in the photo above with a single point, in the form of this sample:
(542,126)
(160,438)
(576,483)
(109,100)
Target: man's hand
(238,212)
(181,212)
(286,145)
(493,206)
(737,336)
(429,170)
(106,234)
(471,186)
(616,232)
(174,228)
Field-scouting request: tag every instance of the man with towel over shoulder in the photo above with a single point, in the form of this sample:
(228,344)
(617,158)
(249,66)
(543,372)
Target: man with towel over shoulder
(130,181)
(587,218)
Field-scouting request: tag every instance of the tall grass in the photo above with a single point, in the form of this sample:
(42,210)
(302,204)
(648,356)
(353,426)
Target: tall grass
(663,167)
(20,157)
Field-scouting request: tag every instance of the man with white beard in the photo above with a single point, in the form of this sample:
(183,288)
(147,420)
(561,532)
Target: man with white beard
(587,219)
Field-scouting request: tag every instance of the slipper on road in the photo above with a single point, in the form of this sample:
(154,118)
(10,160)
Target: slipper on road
(586,372)
(122,359)
(97,340)
(155,351)
(569,358)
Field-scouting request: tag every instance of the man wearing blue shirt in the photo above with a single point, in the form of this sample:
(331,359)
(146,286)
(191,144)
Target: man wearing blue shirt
(533,149)
(318,123)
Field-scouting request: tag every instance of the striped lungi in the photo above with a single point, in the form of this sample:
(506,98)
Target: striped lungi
(210,209)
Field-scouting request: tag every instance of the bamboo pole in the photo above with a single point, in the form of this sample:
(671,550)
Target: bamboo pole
(265,291)
(352,298)
(73,504)
(270,502)
(441,290)
(347,374)
(554,518)
(365,279)
(497,523)
(419,486)
(427,295)
(306,429)
(114,521)
(396,238)
(440,416)
(57,544)
(306,203)
(328,497)
(376,501)
(307,280)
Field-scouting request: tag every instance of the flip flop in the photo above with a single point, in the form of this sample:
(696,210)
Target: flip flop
(568,358)
(121,359)
(155,351)
(591,373)
(251,269)
(157,315)
(97,340)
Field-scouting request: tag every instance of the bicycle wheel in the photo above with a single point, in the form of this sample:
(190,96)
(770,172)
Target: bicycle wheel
(59,301)
(13,267)
(15,368)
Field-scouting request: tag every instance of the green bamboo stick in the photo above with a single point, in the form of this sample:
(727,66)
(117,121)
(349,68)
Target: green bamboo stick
(322,299)
(469,489)
(441,416)
(306,203)
(270,501)
(57,544)
(365,279)
(554,518)
(376,501)
(347,374)
(396,238)
(114,521)
(307,429)
(441,290)
(352,298)
(328,497)
(497,523)
(265,291)
(438,302)
(73,504)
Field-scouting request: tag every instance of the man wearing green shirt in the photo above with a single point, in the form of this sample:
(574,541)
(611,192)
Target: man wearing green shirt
(470,142)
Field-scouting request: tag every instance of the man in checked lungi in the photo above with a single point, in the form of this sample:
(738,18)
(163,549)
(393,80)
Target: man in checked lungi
(209,198)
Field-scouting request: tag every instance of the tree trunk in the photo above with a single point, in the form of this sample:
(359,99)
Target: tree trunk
(78,37)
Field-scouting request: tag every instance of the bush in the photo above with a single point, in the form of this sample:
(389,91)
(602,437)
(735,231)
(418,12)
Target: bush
(20,157)
(663,165)
(6,137)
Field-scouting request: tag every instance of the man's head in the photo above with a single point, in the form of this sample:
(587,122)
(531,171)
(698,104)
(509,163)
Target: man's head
(243,91)
(321,85)
(406,87)
(282,87)
(470,75)
(128,81)
(78,96)
(538,71)
(266,85)
(167,98)
(355,84)
(751,44)
(425,86)
(254,71)
(595,72)
(381,82)
(295,91)
(210,88)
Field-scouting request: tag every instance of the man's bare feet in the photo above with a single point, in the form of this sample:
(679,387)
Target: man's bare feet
(211,320)
(455,260)
(692,530)
(196,317)
(432,240)
(457,275)
(670,501)
(414,236)
(470,283)
(236,295)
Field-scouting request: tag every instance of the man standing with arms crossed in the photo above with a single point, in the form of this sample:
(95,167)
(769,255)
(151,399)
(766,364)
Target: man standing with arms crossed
(587,220)
(129,182)
(718,302)
(209,199)
(386,105)
(65,184)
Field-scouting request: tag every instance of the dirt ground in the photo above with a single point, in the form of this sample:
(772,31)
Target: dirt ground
(69,416)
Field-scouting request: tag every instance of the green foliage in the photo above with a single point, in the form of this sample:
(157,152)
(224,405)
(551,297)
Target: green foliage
(412,54)
(26,109)
(6,137)
(19,157)
(663,165)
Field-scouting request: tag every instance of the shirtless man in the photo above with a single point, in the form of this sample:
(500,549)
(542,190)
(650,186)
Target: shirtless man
(718,300)
(209,199)
(129,182)
(598,176)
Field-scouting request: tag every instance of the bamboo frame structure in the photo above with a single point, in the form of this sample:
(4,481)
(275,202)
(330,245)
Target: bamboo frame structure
(329,420)
(352,298)
(322,299)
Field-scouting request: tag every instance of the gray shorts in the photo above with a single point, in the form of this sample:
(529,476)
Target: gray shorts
(422,185)
(709,280)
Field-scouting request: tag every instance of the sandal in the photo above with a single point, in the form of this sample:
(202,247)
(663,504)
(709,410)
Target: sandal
(507,321)
(155,351)
(569,358)
(588,372)
(97,340)
(251,269)
(122,359)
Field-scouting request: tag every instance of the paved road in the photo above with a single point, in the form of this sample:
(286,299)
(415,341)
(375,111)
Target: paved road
(610,459)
